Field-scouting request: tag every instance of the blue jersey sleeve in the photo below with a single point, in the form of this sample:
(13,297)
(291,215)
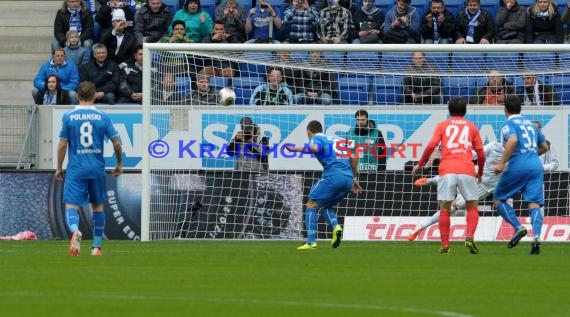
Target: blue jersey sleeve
(110,130)
(508,130)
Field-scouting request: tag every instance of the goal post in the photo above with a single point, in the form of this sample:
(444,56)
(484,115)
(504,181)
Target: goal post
(195,187)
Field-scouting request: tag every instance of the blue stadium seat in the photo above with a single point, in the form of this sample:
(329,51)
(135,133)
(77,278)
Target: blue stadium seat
(353,89)
(526,3)
(218,82)
(561,85)
(503,61)
(421,5)
(384,5)
(209,6)
(454,6)
(396,61)
(439,59)
(245,3)
(253,69)
(362,60)
(335,59)
(172,4)
(564,59)
(300,56)
(183,85)
(387,90)
(492,6)
(244,87)
(539,60)
(458,87)
(468,61)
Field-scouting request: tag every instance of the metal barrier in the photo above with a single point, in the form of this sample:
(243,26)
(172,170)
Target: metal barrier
(18,136)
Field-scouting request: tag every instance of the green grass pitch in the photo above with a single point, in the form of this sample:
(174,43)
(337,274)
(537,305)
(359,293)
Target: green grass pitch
(272,278)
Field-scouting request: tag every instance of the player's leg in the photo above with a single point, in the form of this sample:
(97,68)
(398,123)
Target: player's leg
(343,188)
(533,194)
(446,193)
(469,188)
(507,186)
(74,195)
(312,215)
(431,220)
(97,196)
(424,181)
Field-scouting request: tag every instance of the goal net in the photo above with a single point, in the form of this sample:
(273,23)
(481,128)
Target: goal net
(215,172)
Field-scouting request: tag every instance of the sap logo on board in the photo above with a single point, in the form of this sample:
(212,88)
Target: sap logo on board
(218,129)
(129,126)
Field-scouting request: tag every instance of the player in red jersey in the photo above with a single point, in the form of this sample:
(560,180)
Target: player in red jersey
(458,138)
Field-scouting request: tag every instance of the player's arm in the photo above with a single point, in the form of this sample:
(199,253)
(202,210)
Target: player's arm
(119,154)
(510,147)
(356,188)
(425,156)
(61,152)
(543,148)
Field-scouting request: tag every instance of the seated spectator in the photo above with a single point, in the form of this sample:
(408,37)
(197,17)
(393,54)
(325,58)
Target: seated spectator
(566,19)
(302,21)
(104,16)
(102,72)
(535,93)
(262,23)
(204,94)
(234,15)
(368,21)
(178,33)
(418,88)
(317,86)
(152,21)
(52,94)
(544,24)
(335,23)
(165,91)
(130,87)
(198,22)
(120,44)
(315,4)
(272,93)
(74,52)
(74,15)
(510,22)
(437,25)
(494,92)
(67,74)
(402,24)
(219,67)
(474,25)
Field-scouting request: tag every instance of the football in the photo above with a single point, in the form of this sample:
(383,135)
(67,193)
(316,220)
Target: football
(226,97)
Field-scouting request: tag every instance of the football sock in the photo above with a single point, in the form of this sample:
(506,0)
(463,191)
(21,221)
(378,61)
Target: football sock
(330,216)
(431,220)
(472,221)
(536,221)
(311,217)
(508,213)
(444,223)
(72,219)
(98,228)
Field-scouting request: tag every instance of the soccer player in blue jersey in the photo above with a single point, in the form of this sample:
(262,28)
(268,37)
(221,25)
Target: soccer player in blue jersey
(523,145)
(83,131)
(338,179)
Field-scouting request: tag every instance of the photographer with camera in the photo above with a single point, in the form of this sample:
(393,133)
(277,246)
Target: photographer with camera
(261,22)
(249,148)
(437,25)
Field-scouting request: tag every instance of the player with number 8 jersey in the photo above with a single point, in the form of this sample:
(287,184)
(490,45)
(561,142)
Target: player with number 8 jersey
(458,138)
(83,131)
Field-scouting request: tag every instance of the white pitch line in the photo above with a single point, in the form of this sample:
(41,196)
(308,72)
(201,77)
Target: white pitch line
(225,299)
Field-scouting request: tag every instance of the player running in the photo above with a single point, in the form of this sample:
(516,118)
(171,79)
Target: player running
(493,153)
(458,138)
(337,180)
(523,144)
